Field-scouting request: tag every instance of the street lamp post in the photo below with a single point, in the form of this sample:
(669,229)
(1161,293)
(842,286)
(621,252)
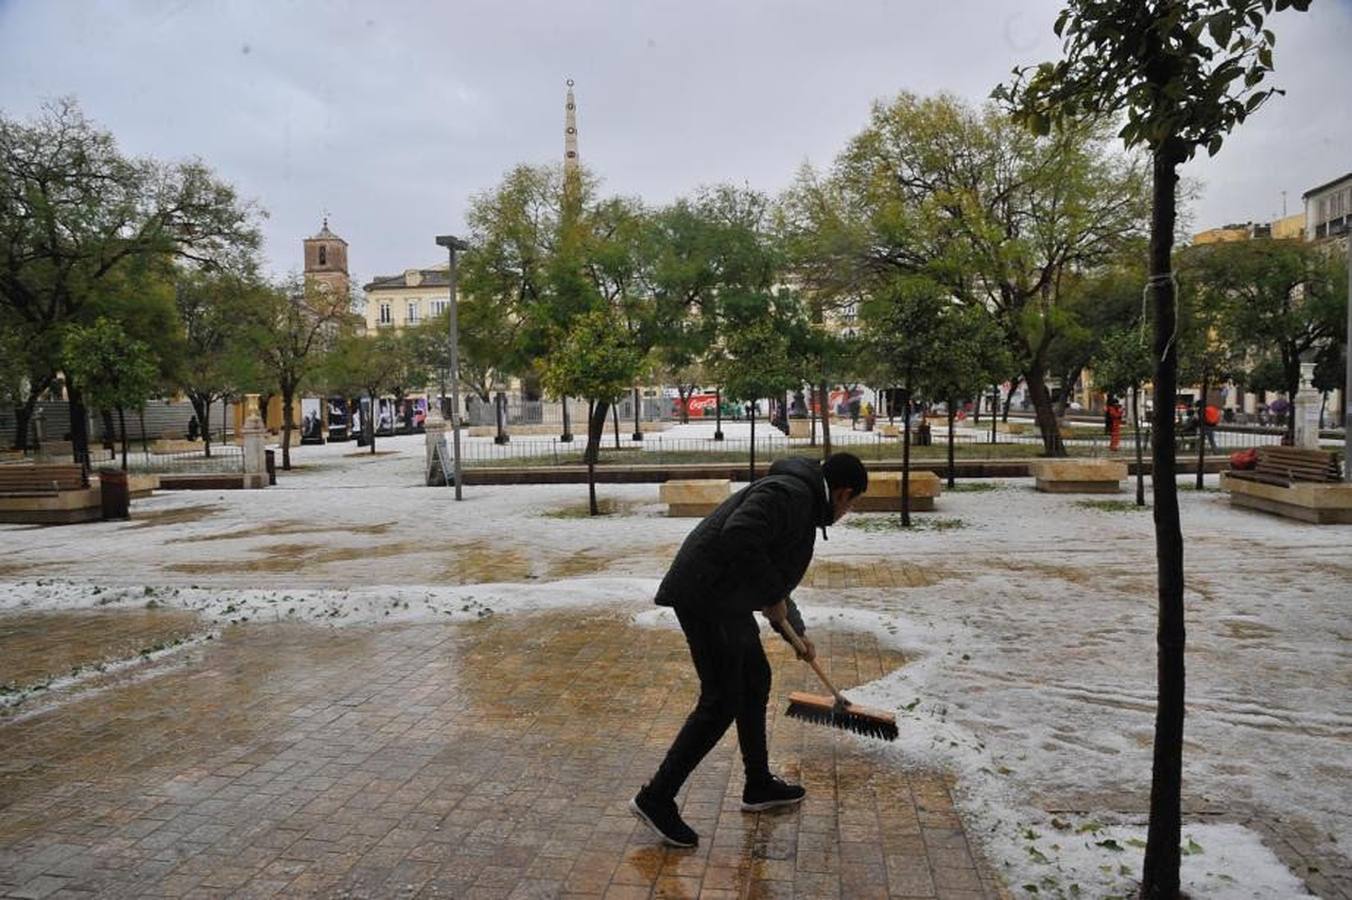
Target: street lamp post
(452,244)
(1347,360)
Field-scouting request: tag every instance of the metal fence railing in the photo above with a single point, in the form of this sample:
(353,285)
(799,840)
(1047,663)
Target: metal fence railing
(658,449)
(224,459)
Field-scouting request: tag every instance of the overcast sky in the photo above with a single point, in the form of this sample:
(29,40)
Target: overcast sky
(391,115)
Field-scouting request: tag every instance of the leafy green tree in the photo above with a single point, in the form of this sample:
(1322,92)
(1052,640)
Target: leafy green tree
(1122,365)
(370,365)
(118,371)
(1285,298)
(212,306)
(974,354)
(1211,347)
(903,323)
(595,359)
(1180,74)
(758,356)
(999,217)
(75,213)
(290,327)
(696,251)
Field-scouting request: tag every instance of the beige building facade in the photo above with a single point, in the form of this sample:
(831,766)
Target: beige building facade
(406,300)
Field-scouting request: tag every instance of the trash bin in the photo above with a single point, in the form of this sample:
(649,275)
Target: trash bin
(115,494)
(271,465)
(923,437)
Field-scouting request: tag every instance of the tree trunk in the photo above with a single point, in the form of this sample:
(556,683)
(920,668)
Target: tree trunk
(369,426)
(952,417)
(141,414)
(596,427)
(995,403)
(906,458)
(204,420)
(592,508)
(615,416)
(826,421)
(1292,388)
(122,421)
(1160,874)
(1136,429)
(567,435)
(23,415)
(1046,416)
(752,418)
(1009,398)
(79,427)
(1203,429)
(288,396)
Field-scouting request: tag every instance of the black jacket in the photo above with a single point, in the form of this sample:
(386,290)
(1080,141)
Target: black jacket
(752,550)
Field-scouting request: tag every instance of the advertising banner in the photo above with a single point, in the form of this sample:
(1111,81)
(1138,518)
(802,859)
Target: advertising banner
(338,430)
(311,421)
(385,416)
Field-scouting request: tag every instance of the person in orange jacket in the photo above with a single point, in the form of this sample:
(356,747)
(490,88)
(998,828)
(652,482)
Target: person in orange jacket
(1113,412)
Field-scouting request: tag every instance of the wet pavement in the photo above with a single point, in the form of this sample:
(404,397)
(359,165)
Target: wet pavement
(42,647)
(492,759)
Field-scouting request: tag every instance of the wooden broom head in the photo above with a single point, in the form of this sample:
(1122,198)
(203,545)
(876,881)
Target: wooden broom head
(823,710)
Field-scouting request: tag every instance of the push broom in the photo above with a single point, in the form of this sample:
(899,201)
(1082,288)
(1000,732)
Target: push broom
(835,710)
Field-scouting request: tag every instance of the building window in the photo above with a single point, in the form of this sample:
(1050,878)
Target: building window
(412,318)
(438,307)
(385,315)
(323,255)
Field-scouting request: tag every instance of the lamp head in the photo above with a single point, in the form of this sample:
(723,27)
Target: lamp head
(452,242)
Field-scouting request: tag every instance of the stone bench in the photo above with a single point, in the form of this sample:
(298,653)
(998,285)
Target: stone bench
(46,494)
(1079,476)
(884,492)
(1299,484)
(800,428)
(694,499)
(1307,501)
(1011,428)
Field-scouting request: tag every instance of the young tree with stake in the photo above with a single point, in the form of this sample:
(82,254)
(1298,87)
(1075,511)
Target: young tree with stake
(1181,75)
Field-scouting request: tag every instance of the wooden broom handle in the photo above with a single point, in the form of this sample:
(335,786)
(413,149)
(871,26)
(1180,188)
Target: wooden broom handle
(801,649)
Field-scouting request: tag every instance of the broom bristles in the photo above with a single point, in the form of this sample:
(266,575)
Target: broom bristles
(859,719)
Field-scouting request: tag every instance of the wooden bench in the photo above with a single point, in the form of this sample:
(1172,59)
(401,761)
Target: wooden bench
(46,494)
(884,492)
(1284,466)
(1292,482)
(1079,476)
(41,479)
(694,498)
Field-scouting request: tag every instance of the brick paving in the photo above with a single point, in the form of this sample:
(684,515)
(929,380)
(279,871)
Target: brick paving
(486,760)
(41,646)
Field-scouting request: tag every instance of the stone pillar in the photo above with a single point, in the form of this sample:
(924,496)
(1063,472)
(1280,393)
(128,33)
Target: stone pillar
(434,440)
(255,458)
(1306,410)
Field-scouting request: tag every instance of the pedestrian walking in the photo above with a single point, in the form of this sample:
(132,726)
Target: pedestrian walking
(748,555)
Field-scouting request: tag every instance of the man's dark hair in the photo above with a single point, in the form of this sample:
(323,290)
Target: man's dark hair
(845,470)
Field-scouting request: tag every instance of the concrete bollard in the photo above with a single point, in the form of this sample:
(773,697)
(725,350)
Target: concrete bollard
(437,461)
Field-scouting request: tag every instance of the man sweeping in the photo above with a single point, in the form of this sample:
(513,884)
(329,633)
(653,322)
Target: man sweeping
(746,556)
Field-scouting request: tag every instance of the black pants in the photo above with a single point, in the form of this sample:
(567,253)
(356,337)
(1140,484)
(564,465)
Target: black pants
(734,685)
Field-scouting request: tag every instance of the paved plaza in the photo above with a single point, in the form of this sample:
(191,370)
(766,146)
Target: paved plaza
(348,686)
